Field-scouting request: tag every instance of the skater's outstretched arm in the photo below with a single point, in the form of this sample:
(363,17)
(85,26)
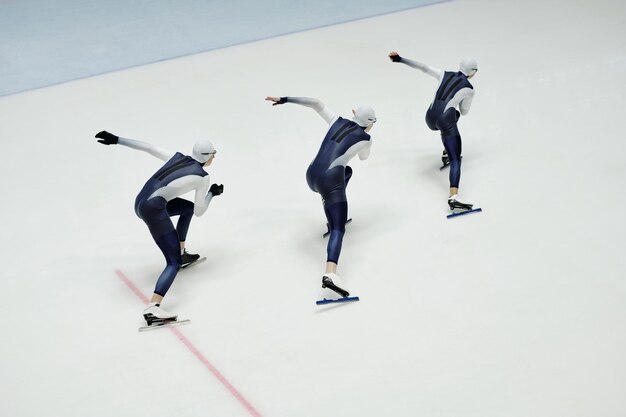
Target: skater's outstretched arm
(432,71)
(107,138)
(327,114)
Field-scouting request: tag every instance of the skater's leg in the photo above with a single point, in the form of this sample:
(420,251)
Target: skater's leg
(452,145)
(184,209)
(153,212)
(337,215)
(451,139)
(170,247)
(333,190)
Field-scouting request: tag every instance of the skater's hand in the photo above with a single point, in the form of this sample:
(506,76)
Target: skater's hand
(107,138)
(216,189)
(393,55)
(276,100)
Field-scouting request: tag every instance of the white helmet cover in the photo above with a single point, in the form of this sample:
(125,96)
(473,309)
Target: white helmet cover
(364,116)
(202,151)
(468,66)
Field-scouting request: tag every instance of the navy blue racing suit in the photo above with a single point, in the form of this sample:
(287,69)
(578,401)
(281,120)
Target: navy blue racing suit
(329,178)
(155,211)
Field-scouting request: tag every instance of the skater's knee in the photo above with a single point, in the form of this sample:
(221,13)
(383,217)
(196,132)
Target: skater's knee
(175,261)
(178,262)
(338,230)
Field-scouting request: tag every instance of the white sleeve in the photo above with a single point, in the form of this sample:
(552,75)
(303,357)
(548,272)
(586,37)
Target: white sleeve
(466,103)
(432,71)
(202,197)
(160,153)
(327,114)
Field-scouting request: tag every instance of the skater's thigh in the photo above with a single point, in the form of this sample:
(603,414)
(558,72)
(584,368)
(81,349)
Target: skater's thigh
(158,222)
(332,185)
(179,206)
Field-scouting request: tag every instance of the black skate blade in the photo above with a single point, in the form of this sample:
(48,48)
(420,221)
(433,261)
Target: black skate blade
(162,324)
(200,260)
(325,235)
(339,300)
(461,213)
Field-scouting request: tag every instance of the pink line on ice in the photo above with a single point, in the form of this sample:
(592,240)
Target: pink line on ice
(216,373)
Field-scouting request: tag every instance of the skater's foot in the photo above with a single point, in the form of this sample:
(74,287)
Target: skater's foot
(189,258)
(453,203)
(332,282)
(445,159)
(155,314)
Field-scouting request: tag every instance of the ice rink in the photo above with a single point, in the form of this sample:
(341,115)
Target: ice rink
(517,311)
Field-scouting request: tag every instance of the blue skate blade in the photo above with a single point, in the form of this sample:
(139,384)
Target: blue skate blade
(339,300)
(460,213)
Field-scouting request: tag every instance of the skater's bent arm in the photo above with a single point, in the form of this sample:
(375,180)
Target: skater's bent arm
(365,152)
(202,197)
(354,150)
(162,154)
(466,102)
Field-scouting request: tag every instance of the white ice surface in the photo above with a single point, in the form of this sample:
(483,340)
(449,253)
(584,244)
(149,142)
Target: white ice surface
(516,311)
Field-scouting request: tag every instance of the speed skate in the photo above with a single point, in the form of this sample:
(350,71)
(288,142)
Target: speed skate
(196,262)
(336,286)
(458,208)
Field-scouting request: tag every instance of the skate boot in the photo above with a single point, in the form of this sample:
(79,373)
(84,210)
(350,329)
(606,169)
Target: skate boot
(155,314)
(188,258)
(445,159)
(332,282)
(453,203)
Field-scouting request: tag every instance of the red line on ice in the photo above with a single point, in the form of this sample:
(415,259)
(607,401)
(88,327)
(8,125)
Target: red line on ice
(216,373)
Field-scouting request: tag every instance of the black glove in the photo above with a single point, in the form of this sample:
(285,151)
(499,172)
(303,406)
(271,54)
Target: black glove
(395,58)
(216,189)
(282,100)
(107,138)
